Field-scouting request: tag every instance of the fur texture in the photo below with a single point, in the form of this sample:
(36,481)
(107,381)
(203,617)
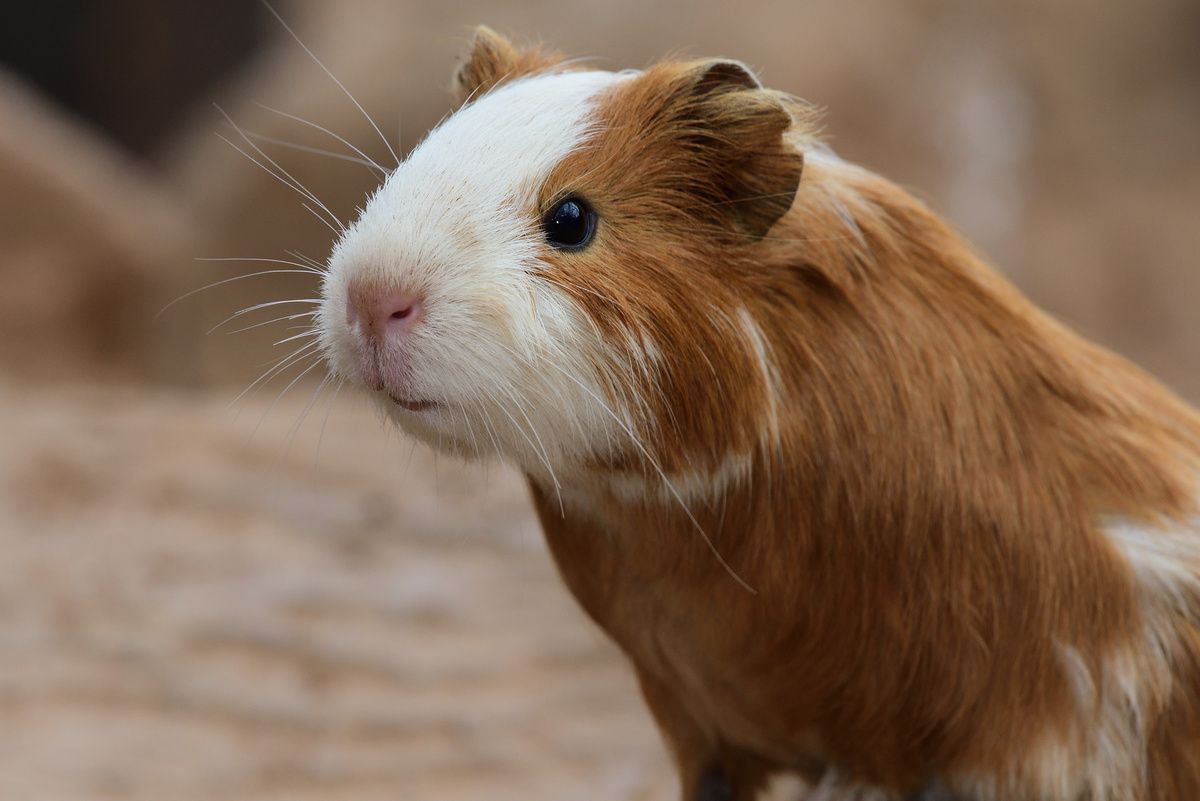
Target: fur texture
(867,523)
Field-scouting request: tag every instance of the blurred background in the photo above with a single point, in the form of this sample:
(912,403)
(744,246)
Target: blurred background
(209,593)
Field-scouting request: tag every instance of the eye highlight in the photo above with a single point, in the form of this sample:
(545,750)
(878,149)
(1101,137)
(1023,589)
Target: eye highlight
(570,224)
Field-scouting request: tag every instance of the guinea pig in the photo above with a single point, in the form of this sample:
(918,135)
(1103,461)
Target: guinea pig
(866,522)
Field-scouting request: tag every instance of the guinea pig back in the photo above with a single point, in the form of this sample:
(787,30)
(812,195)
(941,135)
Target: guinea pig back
(857,511)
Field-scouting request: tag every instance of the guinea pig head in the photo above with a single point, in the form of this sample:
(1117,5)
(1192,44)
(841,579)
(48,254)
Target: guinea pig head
(558,272)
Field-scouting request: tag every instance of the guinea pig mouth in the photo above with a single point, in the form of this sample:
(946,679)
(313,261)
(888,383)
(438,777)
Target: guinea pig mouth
(411,405)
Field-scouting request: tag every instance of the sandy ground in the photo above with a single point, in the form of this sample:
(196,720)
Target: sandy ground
(199,603)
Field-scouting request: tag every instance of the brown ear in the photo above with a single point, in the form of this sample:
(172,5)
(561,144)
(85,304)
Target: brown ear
(718,73)
(751,168)
(493,59)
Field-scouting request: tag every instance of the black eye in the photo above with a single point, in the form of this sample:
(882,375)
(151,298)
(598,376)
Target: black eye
(570,224)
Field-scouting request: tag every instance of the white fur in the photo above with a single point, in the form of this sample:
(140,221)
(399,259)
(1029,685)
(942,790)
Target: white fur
(768,369)
(836,785)
(681,487)
(1137,682)
(784,787)
(707,484)
(1166,563)
(504,352)
(1104,756)
(1101,756)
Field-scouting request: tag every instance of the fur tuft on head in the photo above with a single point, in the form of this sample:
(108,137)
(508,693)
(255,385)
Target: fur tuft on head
(493,59)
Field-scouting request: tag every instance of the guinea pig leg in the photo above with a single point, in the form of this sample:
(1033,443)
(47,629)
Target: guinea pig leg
(709,770)
(713,785)
(696,757)
(748,777)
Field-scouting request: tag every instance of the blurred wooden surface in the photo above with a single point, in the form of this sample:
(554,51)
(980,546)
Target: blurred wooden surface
(199,604)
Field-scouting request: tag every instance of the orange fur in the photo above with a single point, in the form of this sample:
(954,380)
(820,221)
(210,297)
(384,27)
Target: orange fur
(928,464)
(865,514)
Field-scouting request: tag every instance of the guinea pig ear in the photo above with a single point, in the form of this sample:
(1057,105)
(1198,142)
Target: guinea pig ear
(726,73)
(493,59)
(751,169)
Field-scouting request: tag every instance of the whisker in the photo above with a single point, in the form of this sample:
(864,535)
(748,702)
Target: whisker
(294,431)
(653,463)
(408,463)
(283,392)
(336,231)
(321,434)
(299,185)
(363,159)
(230,280)
(332,77)
(304,352)
(308,332)
(310,267)
(258,306)
(288,181)
(541,456)
(545,453)
(462,407)
(274,320)
(308,260)
(319,151)
(487,425)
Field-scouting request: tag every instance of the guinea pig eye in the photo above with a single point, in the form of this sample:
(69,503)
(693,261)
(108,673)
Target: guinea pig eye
(570,224)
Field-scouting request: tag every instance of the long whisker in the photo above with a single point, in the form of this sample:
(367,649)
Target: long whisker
(653,463)
(332,77)
(320,268)
(308,332)
(288,181)
(542,456)
(294,431)
(365,159)
(319,151)
(462,407)
(321,434)
(487,424)
(274,320)
(229,280)
(283,392)
(308,266)
(281,171)
(311,349)
(258,306)
(545,457)
(336,231)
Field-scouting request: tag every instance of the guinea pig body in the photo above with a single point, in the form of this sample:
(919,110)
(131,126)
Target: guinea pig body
(855,509)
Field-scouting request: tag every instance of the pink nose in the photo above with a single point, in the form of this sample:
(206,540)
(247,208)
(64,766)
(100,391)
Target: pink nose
(379,315)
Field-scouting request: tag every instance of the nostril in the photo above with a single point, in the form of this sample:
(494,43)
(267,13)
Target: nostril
(403,310)
(372,313)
